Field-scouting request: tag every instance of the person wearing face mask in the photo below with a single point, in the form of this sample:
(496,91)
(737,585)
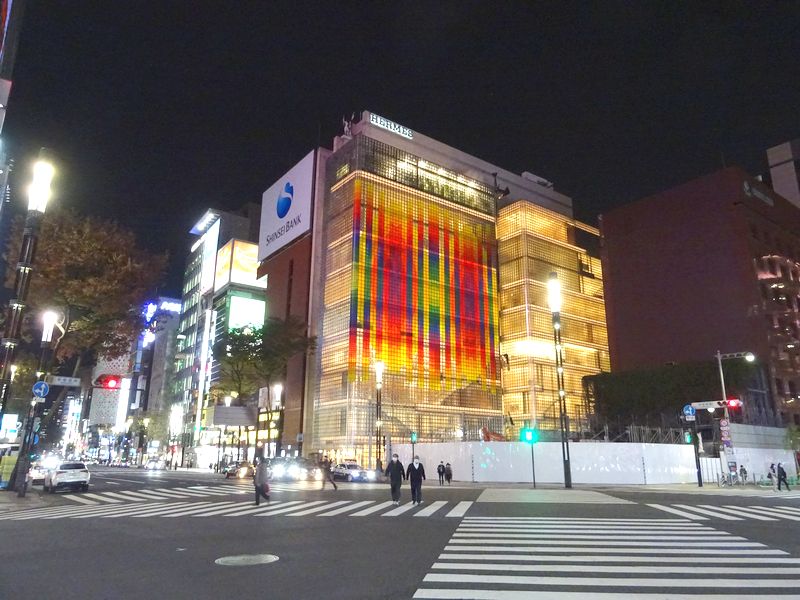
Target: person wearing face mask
(396,475)
(415,475)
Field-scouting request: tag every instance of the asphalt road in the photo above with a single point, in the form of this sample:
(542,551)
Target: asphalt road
(157,535)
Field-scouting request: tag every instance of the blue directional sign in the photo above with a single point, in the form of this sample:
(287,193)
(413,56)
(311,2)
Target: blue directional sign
(40,389)
(689,410)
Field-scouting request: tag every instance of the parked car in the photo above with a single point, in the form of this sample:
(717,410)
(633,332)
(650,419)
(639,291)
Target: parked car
(67,474)
(352,472)
(294,469)
(155,464)
(37,473)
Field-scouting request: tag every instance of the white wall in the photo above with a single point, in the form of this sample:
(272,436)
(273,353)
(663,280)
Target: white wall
(595,463)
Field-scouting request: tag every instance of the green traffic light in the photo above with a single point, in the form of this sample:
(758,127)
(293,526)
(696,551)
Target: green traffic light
(687,437)
(528,435)
(413,437)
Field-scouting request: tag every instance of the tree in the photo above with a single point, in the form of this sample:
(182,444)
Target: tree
(251,357)
(92,271)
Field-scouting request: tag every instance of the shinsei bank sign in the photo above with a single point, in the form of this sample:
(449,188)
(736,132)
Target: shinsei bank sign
(286,208)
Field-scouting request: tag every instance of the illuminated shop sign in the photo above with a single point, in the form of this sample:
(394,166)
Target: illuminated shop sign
(391,126)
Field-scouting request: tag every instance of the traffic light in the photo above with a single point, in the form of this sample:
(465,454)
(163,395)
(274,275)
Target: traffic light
(687,437)
(413,437)
(108,382)
(528,435)
(734,402)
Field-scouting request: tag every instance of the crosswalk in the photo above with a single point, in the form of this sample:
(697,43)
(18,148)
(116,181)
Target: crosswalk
(538,558)
(762,493)
(157,494)
(232,508)
(730,512)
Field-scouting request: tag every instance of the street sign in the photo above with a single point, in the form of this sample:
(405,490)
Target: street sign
(40,389)
(689,410)
(710,405)
(63,381)
(724,424)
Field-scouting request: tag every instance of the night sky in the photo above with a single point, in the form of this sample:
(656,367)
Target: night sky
(157,110)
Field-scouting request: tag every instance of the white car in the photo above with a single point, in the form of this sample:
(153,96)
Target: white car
(352,472)
(70,474)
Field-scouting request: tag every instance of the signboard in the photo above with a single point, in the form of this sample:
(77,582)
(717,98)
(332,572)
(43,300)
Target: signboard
(40,389)
(237,262)
(712,404)
(58,380)
(210,241)
(286,208)
(388,125)
(689,412)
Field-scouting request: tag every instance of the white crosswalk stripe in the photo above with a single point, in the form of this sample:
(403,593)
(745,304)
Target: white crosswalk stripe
(196,507)
(483,562)
(158,494)
(730,512)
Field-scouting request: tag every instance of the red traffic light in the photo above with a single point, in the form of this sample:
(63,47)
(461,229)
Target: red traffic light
(108,382)
(734,402)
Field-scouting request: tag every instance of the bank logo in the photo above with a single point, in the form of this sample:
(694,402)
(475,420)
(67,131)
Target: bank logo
(285,200)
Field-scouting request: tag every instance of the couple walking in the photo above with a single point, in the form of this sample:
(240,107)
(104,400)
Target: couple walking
(415,475)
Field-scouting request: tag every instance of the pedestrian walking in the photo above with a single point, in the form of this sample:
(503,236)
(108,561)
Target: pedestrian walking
(261,482)
(448,473)
(773,477)
(742,474)
(440,471)
(396,476)
(327,473)
(416,475)
(782,478)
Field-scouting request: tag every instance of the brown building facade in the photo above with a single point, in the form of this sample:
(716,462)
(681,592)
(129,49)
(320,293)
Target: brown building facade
(713,264)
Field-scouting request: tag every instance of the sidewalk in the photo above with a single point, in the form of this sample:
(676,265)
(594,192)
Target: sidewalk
(9,501)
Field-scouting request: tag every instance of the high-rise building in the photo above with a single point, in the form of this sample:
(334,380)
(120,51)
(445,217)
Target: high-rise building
(220,292)
(710,265)
(784,170)
(398,248)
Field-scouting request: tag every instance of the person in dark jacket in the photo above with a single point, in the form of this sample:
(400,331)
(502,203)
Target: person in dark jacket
(415,475)
(782,477)
(440,471)
(261,482)
(448,473)
(396,475)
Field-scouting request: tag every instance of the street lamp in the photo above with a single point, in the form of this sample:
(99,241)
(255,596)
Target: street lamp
(277,405)
(379,367)
(730,457)
(554,301)
(38,195)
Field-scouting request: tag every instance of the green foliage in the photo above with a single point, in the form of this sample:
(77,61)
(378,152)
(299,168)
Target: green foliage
(793,437)
(649,392)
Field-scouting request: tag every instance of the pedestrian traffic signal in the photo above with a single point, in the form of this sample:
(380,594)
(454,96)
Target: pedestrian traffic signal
(528,435)
(687,437)
(413,437)
(108,382)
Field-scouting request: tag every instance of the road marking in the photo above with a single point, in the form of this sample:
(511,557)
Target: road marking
(791,509)
(125,495)
(649,569)
(430,509)
(221,511)
(111,483)
(316,509)
(467,594)
(589,529)
(779,514)
(136,481)
(738,512)
(606,550)
(263,508)
(108,508)
(189,511)
(590,520)
(609,581)
(114,512)
(182,492)
(291,508)
(460,509)
(372,509)
(721,536)
(709,513)
(591,558)
(80,499)
(725,544)
(102,498)
(157,511)
(675,511)
(399,510)
(345,509)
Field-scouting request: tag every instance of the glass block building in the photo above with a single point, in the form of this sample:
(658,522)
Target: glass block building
(426,268)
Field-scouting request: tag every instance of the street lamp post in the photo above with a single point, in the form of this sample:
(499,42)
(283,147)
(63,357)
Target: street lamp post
(730,457)
(49,320)
(380,367)
(38,195)
(277,404)
(554,300)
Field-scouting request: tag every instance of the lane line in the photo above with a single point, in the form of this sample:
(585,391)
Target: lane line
(344,509)
(686,562)
(372,509)
(460,509)
(710,513)
(610,581)
(310,511)
(633,569)
(431,508)
(399,510)
(608,550)
(675,511)
(264,507)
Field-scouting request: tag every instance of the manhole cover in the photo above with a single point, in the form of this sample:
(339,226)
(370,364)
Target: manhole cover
(244,560)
